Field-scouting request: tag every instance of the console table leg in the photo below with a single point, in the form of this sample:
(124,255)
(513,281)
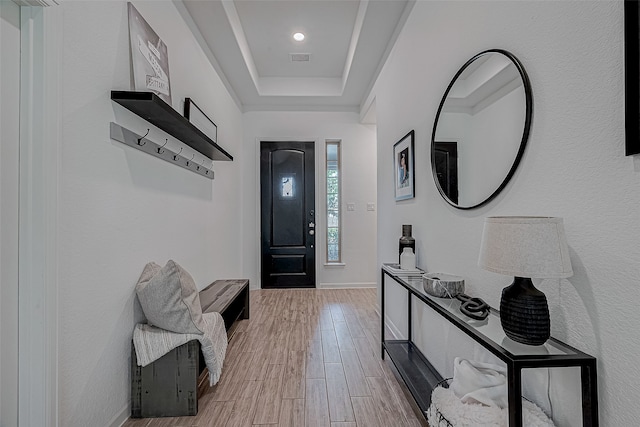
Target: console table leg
(382,314)
(409,310)
(589,395)
(514,389)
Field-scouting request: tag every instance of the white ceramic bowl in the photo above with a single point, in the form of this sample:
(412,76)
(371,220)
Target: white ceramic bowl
(442,285)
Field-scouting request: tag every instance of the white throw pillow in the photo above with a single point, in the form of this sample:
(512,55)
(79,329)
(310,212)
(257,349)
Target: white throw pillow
(170,299)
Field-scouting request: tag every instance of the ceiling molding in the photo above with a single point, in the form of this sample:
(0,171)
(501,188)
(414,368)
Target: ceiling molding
(241,45)
(368,115)
(369,95)
(37,3)
(238,32)
(293,86)
(300,86)
(355,36)
(332,108)
(188,19)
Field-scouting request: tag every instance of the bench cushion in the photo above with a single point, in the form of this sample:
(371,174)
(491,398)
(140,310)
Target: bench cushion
(170,299)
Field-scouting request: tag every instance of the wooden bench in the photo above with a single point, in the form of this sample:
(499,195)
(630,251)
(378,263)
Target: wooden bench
(230,298)
(169,386)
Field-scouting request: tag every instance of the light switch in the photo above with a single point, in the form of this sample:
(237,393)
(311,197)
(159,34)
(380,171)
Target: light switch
(351,206)
(371,206)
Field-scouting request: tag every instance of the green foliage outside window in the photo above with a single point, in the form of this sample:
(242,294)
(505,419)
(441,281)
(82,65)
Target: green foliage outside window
(333,201)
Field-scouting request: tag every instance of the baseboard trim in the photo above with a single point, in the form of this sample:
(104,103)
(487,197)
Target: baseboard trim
(120,418)
(391,327)
(346,285)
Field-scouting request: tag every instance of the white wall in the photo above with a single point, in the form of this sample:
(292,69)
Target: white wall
(487,153)
(120,208)
(574,167)
(358,187)
(9,148)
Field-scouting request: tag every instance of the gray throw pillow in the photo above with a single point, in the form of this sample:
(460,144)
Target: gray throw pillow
(170,299)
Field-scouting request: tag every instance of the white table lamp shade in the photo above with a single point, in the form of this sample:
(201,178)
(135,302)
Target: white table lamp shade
(520,246)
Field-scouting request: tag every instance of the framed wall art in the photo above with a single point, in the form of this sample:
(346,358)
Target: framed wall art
(199,119)
(632,76)
(150,59)
(403,166)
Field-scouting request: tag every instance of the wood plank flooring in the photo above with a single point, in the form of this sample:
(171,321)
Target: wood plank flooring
(305,358)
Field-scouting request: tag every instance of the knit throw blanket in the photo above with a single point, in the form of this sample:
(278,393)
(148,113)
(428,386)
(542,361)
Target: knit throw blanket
(447,410)
(152,343)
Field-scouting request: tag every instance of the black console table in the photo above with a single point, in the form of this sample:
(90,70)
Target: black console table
(421,377)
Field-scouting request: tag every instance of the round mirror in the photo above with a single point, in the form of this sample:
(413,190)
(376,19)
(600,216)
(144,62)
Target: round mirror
(481,129)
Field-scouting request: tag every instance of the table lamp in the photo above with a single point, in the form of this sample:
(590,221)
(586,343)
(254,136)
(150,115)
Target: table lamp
(525,247)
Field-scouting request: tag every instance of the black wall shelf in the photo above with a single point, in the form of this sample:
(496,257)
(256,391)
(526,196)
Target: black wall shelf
(160,114)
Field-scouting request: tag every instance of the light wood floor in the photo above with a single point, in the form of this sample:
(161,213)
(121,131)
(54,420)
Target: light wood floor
(305,358)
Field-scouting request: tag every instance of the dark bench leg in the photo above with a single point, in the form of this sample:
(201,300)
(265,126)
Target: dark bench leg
(167,387)
(246,302)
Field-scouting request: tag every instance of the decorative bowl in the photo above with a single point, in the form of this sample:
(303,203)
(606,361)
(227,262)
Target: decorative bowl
(442,285)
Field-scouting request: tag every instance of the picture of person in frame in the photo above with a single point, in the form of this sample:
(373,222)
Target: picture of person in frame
(403,168)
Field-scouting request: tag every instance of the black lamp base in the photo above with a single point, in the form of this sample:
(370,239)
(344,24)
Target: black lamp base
(524,313)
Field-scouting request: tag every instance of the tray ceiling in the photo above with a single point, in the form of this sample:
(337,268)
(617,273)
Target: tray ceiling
(250,44)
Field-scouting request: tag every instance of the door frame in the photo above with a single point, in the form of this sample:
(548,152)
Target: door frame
(40,144)
(10,40)
(317,150)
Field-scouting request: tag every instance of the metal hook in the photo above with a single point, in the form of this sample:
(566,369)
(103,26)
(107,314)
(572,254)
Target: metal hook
(201,164)
(160,148)
(210,169)
(189,161)
(140,139)
(175,156)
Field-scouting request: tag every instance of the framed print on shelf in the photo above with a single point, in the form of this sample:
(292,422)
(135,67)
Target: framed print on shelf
(199,119)
(404,175)
(149,57)
(632,76)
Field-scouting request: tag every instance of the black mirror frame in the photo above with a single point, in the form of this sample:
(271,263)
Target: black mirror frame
(525,133)
(632,70)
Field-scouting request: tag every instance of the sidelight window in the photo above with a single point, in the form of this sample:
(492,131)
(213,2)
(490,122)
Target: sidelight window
(334,238)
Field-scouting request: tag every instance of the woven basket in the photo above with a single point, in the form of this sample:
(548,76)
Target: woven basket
(477,415)
(434,416)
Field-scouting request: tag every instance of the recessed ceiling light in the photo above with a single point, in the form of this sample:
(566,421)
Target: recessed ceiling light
(298,37)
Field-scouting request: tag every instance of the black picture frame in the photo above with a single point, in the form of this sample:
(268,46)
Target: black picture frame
(404,176)
(632,76)
(199,119)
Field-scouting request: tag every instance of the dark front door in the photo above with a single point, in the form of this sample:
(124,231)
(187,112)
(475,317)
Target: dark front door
(287,193)
(446,154)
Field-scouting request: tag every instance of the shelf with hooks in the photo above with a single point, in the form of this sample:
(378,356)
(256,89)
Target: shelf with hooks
(160,114)
(141,143)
